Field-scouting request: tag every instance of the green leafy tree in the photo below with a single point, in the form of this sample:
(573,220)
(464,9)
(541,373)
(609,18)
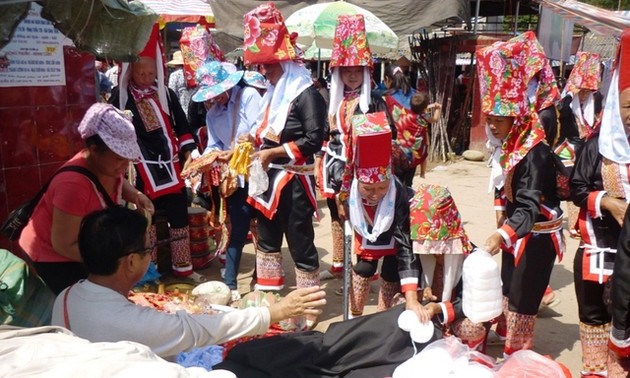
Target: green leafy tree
(610,4)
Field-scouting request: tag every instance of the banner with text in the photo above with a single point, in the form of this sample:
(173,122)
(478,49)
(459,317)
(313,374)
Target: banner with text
(34,56)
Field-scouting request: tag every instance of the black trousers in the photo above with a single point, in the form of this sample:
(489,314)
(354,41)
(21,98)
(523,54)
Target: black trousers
(175,207)
(525,283)
(590,296)
(293,220)
(367,346)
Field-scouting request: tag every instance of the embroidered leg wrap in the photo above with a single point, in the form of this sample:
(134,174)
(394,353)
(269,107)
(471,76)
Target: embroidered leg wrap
(386,294)
(501,322)
(269,273)
(307,279)
(337,242)
(473,334)
(153,241)
(520,332)
(594,341)
(359,293)
(180,252)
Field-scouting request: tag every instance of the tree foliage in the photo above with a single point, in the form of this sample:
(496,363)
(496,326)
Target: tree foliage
(610,4)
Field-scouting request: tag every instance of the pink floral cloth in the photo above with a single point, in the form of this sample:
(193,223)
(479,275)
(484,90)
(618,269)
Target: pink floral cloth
(586,73)
(350,45)
(433,216)
(547,92)
(412,137)
(505,70)
(266,38)
(197,46)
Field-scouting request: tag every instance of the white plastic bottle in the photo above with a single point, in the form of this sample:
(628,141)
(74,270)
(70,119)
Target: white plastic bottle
(482,296)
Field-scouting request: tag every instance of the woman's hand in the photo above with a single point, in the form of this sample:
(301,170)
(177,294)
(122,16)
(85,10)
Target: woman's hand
(427,295)
(225,156)
(303,301)
(245,138)
(616,207)
(318,162)
(342,210)
(144,203)
(423,314)
(269,155)
(493,243)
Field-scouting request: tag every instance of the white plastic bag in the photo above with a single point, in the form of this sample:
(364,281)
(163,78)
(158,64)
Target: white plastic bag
(447,357)
(258,179)
(482,297)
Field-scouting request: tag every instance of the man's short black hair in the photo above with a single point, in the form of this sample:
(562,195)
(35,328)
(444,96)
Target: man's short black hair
(107,235)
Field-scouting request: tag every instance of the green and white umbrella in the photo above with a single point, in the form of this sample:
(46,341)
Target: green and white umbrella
(316,23)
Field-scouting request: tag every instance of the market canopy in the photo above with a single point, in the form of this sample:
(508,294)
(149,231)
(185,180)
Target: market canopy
(402,16)
(598,20)
(190,11)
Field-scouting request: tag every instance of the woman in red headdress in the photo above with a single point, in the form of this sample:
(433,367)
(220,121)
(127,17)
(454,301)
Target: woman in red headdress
(290,130)
(165,142)
(523,178)
(351,66)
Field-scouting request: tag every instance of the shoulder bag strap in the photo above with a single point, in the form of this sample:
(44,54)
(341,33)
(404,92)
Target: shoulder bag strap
(86,172)
(44,188)
(235,114)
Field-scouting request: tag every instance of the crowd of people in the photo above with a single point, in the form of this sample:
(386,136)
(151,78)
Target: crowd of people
(360,152)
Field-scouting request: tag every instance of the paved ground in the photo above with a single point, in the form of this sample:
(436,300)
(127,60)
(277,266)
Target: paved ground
(556,329)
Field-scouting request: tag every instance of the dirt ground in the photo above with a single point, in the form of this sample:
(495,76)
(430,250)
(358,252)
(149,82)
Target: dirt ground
(556,328)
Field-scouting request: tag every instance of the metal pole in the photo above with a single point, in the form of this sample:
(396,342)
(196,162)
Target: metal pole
(518,9)
(476,16)
(319,62)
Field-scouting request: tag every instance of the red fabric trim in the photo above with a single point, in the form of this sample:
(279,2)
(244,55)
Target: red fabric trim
(185,139)
(269,212)
(619,351)
(276,281)
(297,154)
(590,203)
(408,287)
(148,189)
(510,232)
(449,317)
(501,202)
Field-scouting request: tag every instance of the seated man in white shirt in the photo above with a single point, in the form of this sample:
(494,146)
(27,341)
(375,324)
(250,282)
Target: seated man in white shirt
(114,250)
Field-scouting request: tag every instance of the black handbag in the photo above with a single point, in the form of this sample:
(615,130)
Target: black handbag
(18,218)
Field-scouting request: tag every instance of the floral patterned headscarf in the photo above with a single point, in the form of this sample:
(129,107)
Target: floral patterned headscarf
(350,49)
(544,86)
(266,38)
(505,70)
(586,73)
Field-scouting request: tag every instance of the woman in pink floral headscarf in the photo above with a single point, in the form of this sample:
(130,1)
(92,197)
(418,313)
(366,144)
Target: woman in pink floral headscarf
(523,179)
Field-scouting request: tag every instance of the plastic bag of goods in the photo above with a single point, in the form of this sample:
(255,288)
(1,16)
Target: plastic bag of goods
(482,296)
(529,364)
(258,179)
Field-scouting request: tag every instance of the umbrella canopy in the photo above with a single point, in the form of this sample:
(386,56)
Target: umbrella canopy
(315,53)
(192,11)
(317,23)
